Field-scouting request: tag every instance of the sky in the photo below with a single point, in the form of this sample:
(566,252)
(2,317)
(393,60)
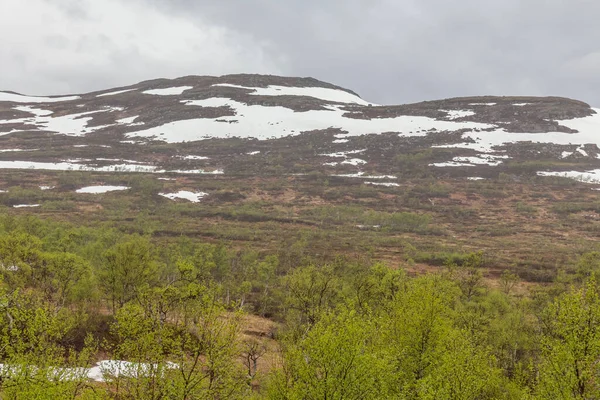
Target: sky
(388,51)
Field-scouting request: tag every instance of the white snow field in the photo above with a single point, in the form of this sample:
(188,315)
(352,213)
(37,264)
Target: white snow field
(99,189)
(588,132)
(194,197)
(172,91)
(261,122)
(71,125)
(334,95)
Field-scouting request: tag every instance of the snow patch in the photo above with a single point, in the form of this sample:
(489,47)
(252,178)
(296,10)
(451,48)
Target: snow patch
(388,184)
(354,161)
(128,120)
(20,98)
(73,166)
(261,122)
(333,95)
(362,175)
(581,151)
(195,158)
(172,91)
(16,150)
(101,189)
(35,111)
(194,197)
(114,93)
(566,154)
(455,114)
(484,141)
(482,159)
(592,176)
(26,205)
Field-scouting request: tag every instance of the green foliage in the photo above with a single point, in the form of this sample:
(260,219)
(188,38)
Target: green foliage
(337,359)
(129,268)
(571,346)
(350,328)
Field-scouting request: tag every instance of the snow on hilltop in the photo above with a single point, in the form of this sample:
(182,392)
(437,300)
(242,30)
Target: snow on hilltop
(479,130)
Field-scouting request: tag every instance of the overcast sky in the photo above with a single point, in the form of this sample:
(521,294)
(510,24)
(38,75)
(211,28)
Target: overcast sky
(388,51)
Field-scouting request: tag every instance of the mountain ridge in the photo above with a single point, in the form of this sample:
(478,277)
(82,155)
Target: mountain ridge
(218,118)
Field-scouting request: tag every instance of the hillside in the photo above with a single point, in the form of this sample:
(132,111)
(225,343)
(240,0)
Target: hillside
(262,237)
(264,154)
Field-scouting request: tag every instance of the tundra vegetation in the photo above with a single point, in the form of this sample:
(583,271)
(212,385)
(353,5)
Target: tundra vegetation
(187,316)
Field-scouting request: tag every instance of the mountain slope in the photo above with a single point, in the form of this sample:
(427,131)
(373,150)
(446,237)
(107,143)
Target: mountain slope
(220,124)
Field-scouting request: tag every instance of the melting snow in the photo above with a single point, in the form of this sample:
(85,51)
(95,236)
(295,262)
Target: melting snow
(194,197)
(71,166)
(262,122)
(482,159)
(354,161)
(16,150)
(475,178)
(19,98)
(388,184)
(195,158)
(482,104)
(344,153)
(588,132)
(334,95)
(592,176)
(253,153)
(35,111)
(455,114)
(26,205)
(362,175)
(172,91)
(72,125)
(47,187)
(101,189)
(340,141)
(521,104)
(566,154)
(114,93)
(582,151)
(128,120)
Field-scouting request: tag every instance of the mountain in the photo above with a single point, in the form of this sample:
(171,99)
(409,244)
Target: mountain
(265,125)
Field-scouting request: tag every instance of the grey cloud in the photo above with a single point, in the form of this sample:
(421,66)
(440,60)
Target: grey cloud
(398,51)
(389,51)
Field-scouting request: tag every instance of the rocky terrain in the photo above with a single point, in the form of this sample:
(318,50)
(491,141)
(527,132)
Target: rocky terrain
(268,125)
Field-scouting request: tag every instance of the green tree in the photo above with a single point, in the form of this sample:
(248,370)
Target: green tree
(571,346)
(129,268)
(337,359)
